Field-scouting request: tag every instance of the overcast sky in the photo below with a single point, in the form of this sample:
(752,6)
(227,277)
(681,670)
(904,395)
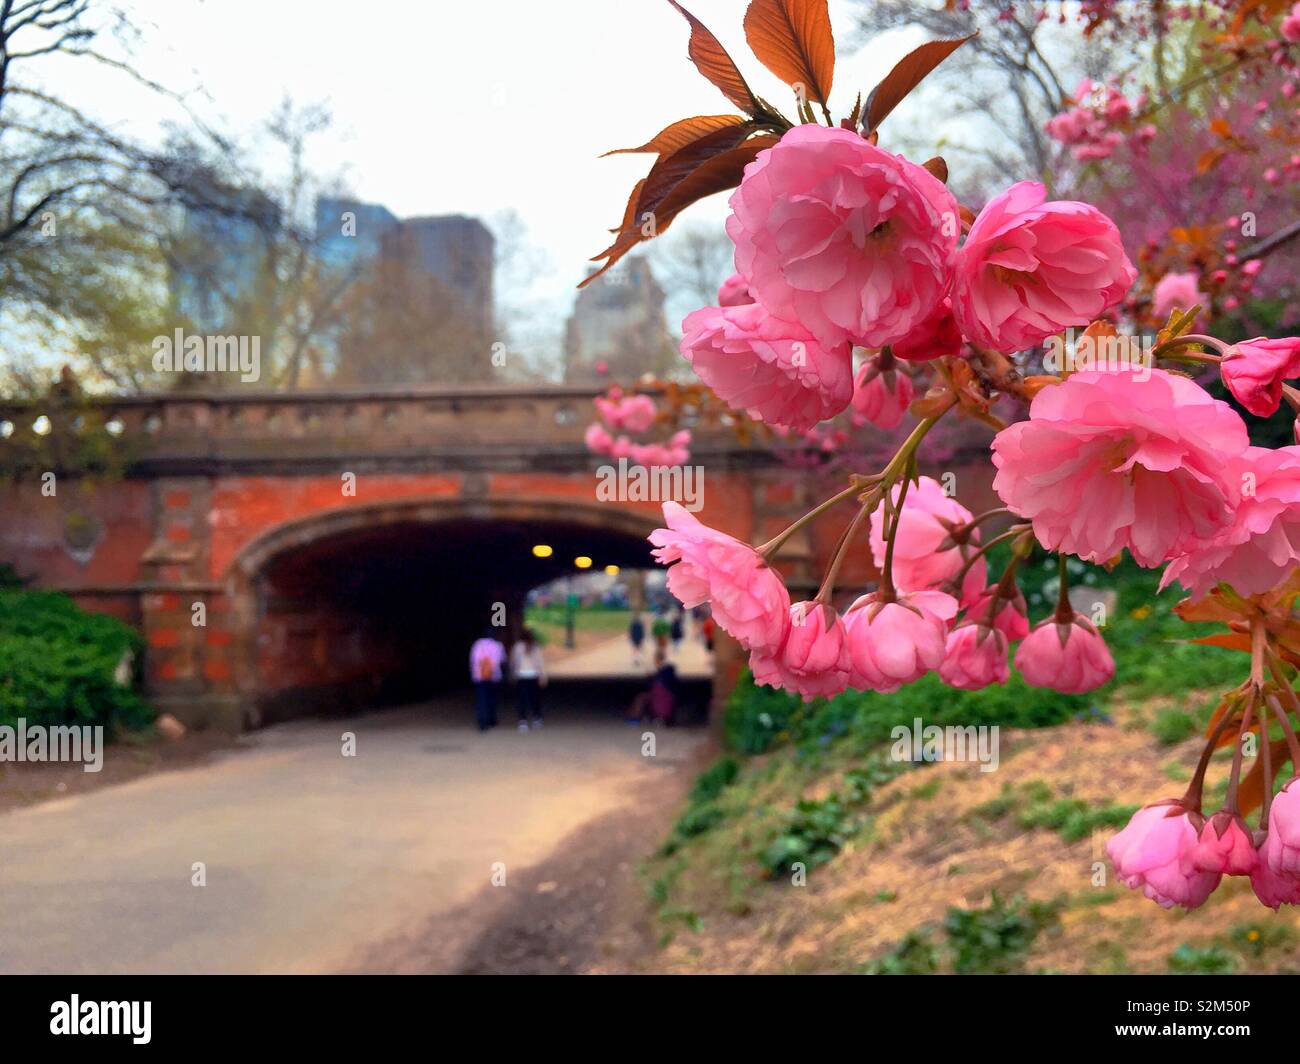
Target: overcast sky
(459,107)
(467,107)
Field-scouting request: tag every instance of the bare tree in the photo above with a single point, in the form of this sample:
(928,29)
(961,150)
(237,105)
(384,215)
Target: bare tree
(1001,88)
(691,261)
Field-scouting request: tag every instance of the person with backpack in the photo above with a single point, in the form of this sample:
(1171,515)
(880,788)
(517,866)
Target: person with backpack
(486,657)
(529,673)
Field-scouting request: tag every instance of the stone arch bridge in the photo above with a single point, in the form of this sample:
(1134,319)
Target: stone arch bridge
(346,547)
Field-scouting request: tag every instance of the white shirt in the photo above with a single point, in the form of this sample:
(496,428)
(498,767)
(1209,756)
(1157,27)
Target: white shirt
(525,663)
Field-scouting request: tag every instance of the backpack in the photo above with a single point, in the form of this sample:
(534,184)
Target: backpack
(484,667)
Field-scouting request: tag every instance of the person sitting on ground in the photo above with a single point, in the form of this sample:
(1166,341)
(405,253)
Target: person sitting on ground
(659,700)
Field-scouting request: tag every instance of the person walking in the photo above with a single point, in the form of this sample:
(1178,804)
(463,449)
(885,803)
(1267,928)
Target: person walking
(676,632)
(529,672)
(486,658)
(636,636)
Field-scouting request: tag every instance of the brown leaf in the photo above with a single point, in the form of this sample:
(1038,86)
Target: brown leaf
(937,167)
(712,60)
(674,183)
(1227,640)
(793,39)
(1208,160)
(679,134)
(1250,792)
(907,74)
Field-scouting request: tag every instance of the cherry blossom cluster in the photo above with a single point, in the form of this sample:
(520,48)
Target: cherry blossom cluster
(1100,119)
(633,414)
(843,247)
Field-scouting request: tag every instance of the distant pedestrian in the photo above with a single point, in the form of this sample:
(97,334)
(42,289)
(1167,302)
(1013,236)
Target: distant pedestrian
(661,630)
(706,630)
(529,672)
(636,636)
(676,632)
(486,658)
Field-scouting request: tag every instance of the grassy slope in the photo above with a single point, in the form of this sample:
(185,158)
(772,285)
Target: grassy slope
(943,867)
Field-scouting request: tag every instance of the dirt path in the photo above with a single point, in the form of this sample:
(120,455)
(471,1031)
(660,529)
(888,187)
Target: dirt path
(315,862)
(580,910)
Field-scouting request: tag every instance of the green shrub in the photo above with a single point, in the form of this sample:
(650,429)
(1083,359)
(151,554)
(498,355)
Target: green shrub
(715,779)
(915,955)
(813,833)
(1075,819)
(1172,726)
(1209,960)
(994,940)
(57,664)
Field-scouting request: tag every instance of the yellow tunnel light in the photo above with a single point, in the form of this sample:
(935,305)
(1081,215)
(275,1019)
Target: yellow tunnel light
(542,551)
(611,570)
(582,561)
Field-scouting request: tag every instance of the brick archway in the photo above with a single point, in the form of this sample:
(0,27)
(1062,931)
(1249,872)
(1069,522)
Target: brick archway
(359,531)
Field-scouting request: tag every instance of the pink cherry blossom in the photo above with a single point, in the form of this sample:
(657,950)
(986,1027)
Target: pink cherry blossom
(771,369)
(1262,544)
(1290,27)
(925,555)
(747,597)
(975,656)
(1143,468)
(843,237)
(1011,618)
(638,413)
(597,439)
(1225,847)
(1030,268)
(1066,656)
(935,337)
(882,396)
(1253,371)
(734,292)
(1153,854)
(1271,888)
(1283,854)
(1176,291)
(814,659)
(892,643)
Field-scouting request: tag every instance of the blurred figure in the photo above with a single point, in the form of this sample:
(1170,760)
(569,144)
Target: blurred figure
(659,700)
(661,630)
(636,636)
(486,657)
(529,672)
(676,631)
(706,632)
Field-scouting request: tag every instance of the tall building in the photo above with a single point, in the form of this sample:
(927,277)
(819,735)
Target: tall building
(421,306)
(618,330)
(219,252)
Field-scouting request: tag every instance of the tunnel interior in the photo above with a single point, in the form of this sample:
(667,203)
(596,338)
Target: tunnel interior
(386,614)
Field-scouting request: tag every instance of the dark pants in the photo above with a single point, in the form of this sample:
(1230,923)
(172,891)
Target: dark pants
(528,699)
(485,703)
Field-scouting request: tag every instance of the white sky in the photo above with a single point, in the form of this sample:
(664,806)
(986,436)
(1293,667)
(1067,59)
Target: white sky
(461,107)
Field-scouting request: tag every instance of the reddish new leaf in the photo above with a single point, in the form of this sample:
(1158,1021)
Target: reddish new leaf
(937,167)
(907,74)
(682,133)
(1250,792)
(664,195)
(1227,640)
(712,60)
(793,39)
